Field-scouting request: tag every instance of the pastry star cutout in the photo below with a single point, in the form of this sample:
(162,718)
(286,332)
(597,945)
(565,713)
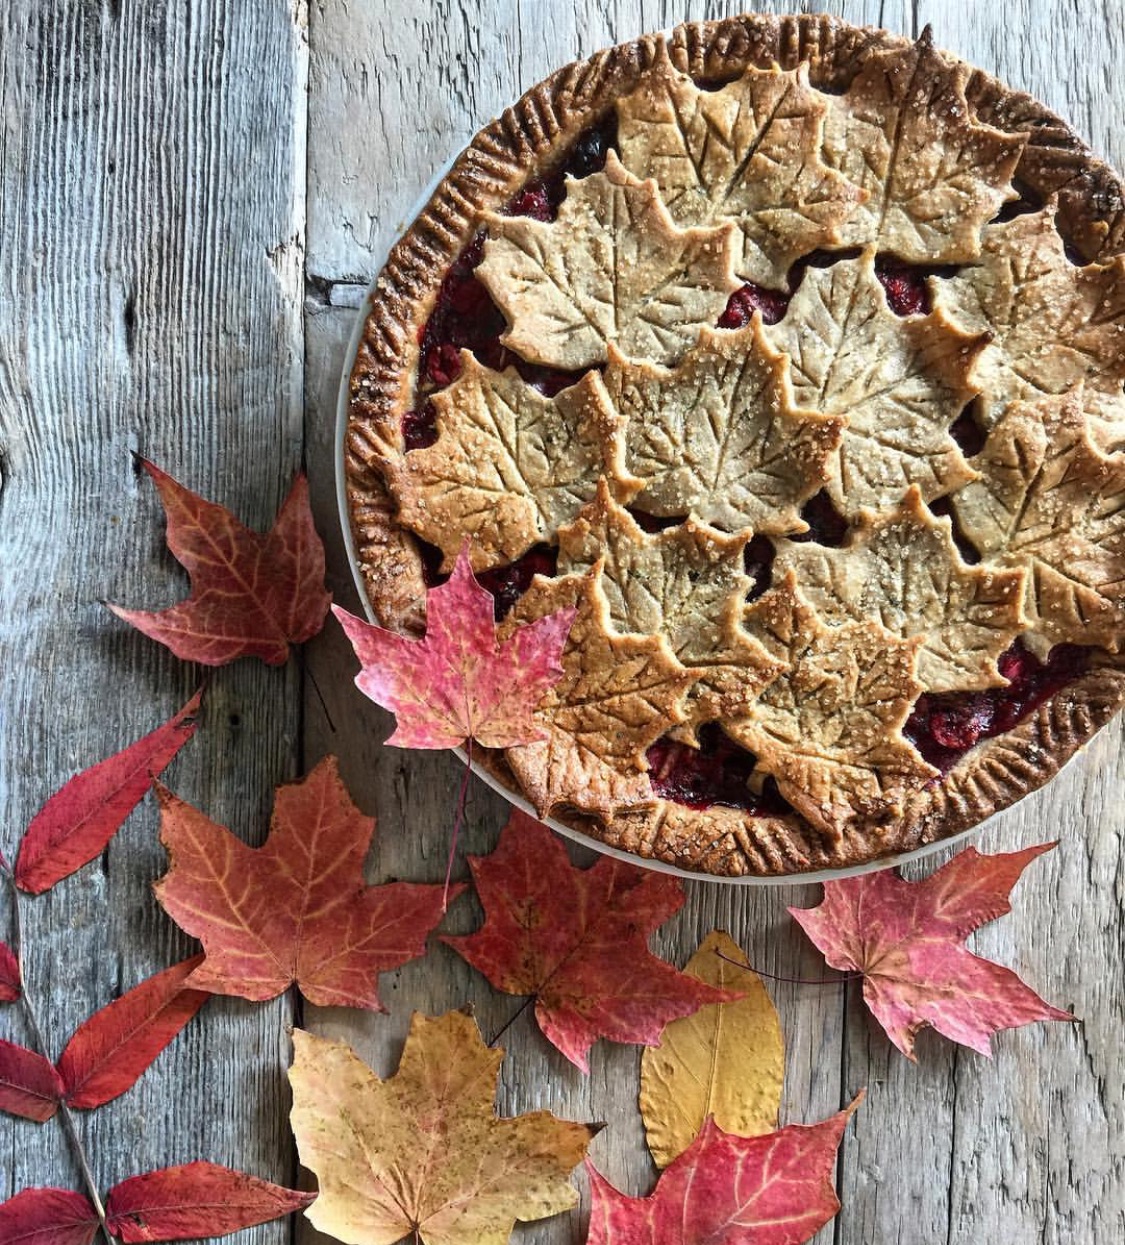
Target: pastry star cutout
(747,153)
(617,695)
(899,382)
(1050,323)
(686,583)
(612,268)
(718,436)
(509,465)
(902,569)
(904,133)
(829,730)
(1050,501)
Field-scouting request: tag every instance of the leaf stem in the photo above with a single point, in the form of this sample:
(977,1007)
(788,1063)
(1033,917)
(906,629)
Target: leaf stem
(65,1114)
(458,820)
(513,1018)
(843,979)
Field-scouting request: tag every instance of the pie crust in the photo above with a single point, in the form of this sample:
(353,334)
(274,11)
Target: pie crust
(1045,363)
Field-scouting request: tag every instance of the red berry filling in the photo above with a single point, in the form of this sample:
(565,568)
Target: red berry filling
(419,428)
(757,561)
(717,772)
(508,583)
(944,727)
(654,522)
(750,298)
(826,525)
(905,288)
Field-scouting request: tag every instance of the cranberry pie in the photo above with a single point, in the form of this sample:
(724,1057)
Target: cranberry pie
(792,356)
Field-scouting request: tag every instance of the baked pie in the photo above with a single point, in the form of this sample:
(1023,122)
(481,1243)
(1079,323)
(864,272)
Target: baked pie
(792,357)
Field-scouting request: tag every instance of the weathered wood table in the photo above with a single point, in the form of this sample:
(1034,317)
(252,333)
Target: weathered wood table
(192,199)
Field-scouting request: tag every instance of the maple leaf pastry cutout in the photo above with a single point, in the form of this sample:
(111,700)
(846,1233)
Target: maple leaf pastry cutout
(509,465)
(904,133)
(829,730)
(686,583)
(618,694)
(613,268)
(1050,502)
(907,939)
(1049,323)
(252,595)
(899,382)
(719,437)
(462,680)
(296,909)
(422,1154)
(577,939)
(747,153)
(901,568)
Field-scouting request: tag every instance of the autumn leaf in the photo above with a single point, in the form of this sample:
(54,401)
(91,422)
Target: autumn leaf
(509,465)
(613,268)
(904,133)
(898,382)
(296,909)
(47,1217)
(719,437)
(1049,323)
(460,681)
(77,822)
(577,939)
(195,1200)
(1049,502)
(726,1190)
(747,152)
(423,1152)
(726,1061)
(113,1048)
(907,939)
(901,568)
(29,1085)
(10,984)
(251,595)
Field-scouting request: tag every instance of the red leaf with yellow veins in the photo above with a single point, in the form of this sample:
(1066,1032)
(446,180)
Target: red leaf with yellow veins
(297,908)
(460,682)
(195,1200)
(47,1217)
(77,822)
(9,974)
(110,1051)
(776,1189)
(577,939)
(252,595)
(907,939)
(29,1084)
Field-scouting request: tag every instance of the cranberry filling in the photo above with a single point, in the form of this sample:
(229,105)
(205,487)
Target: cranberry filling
(750,298)
(826,525)
(654,522)
(419,428)
(944,727)
(508,583)
(757,560)
(905,288)
(717,772)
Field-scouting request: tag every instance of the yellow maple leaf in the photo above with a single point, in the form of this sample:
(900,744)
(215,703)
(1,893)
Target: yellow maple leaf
(423,1151)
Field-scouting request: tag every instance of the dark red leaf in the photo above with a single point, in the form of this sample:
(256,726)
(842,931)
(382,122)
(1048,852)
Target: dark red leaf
(80,818)
(9,974)
(29,1084)
(197,1199)
(47,1217)
(110,1051)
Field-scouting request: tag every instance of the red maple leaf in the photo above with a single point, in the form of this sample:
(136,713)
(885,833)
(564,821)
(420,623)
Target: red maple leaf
(252,595)
(906,938)
(77,822)
(295,909)
(29,1084)
(774,1189)
(108,1052)
(577,939)
(9,974)
(460,682)
(47,1217)
(194,1200)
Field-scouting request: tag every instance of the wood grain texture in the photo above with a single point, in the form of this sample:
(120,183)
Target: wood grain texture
(184,236)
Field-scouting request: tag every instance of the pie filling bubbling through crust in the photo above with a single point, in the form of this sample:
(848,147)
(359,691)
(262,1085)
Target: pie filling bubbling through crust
(895,304)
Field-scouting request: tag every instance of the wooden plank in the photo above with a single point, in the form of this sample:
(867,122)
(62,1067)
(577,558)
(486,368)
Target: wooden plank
(151,205)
